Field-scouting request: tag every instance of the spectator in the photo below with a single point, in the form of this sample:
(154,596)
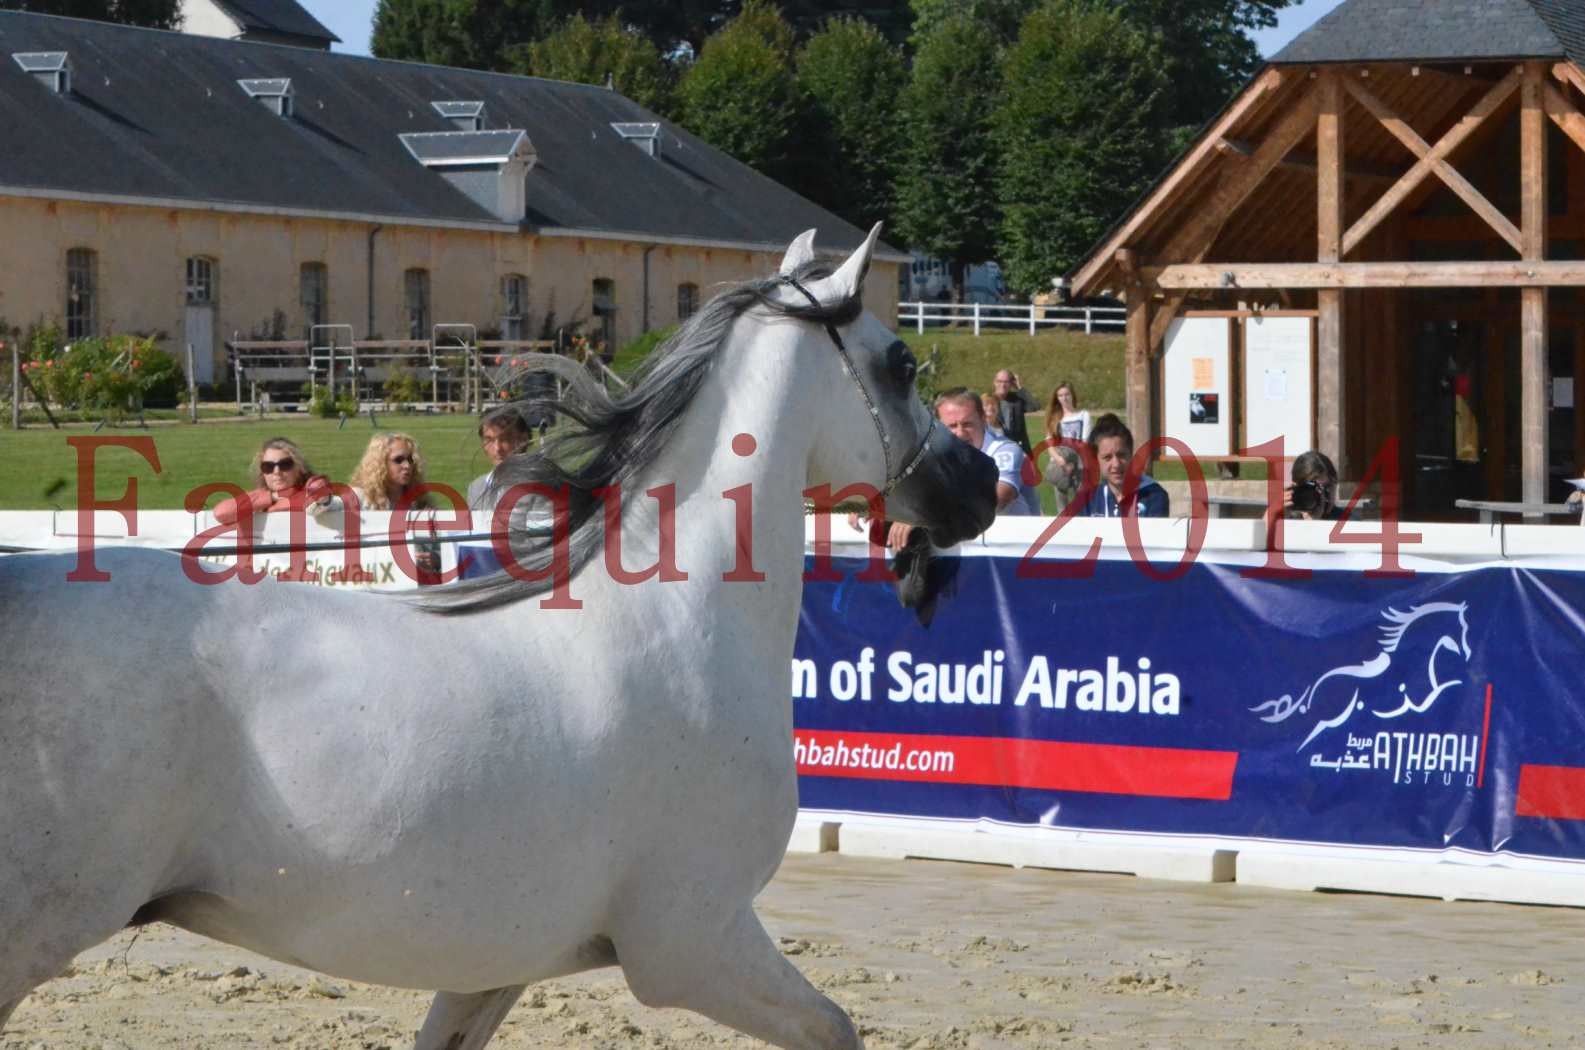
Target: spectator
(502,432)
(1065,469)
(391,465)
(1313,494)
(282,480)
(1013,403)
(1063,415)
(962,412)
(991,408)
(1113,445)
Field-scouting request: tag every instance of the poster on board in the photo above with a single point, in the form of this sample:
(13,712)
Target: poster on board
(1197,383)
(1279,356)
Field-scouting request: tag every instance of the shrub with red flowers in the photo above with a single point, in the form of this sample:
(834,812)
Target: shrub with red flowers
(104,376)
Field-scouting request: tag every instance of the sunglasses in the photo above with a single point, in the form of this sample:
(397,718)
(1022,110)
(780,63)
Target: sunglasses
(270,466)
(402,460)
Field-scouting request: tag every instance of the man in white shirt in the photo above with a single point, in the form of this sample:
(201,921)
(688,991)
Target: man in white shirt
(960,411)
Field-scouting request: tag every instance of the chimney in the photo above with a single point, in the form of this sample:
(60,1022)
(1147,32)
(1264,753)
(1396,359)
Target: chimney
(465,116)
(276,94)
(490,167)
(645,136)
(53,69)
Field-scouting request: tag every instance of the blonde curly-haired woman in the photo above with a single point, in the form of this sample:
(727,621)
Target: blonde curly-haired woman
(391,465)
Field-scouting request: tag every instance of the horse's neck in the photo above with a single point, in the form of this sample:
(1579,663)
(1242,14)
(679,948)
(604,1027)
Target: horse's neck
(700,462)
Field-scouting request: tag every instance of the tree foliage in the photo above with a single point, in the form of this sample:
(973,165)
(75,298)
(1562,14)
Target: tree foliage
(946,200)
(1001,16)
(154,14)
(588,52)
(1080,128)
(1206,48)
(472,34)
(739,95)
(850,78)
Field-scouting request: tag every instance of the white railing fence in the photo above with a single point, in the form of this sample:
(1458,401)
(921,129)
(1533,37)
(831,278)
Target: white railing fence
(1014,315)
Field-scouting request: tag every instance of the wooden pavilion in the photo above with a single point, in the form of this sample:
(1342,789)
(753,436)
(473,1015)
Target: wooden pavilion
(1411,176)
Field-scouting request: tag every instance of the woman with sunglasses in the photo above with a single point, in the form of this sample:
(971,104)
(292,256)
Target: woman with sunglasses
(391,465)
(282,480)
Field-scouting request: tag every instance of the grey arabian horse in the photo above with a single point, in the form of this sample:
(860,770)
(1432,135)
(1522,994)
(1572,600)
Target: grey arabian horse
(479,791)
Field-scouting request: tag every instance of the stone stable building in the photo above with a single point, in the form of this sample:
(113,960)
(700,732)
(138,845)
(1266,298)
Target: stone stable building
(202,187)
(1411,177)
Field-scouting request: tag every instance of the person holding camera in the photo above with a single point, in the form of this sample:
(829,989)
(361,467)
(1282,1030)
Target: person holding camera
(1313,494)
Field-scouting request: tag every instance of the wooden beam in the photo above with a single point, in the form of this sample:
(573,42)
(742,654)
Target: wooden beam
(1569,73)
(1331,399)
(1140,393)
(1165,313)
(1426,165)
(1265,87)
(1563,114)
(1196,236)
(1533,383)
(1190,277)
(1411,139)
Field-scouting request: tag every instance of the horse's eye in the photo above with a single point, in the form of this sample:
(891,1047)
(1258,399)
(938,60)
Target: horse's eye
(901,363)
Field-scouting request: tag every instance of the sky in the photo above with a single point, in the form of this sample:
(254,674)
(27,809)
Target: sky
(350,20)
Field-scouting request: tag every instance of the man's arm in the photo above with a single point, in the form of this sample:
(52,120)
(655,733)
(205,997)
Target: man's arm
(1005,495)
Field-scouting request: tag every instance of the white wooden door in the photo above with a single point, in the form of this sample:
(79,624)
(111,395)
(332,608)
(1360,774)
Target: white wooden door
(201,334)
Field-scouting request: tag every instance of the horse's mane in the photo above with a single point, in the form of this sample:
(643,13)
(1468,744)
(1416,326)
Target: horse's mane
(611,441)
(1398,622)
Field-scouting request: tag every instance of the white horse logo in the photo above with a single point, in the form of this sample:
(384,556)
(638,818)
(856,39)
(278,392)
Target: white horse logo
(1392,634)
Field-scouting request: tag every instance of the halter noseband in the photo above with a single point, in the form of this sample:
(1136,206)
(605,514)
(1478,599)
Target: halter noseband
(848,369)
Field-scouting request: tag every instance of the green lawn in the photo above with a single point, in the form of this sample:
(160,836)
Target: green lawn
(38,467)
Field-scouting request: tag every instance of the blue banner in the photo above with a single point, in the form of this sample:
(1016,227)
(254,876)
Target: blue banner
(1440,711)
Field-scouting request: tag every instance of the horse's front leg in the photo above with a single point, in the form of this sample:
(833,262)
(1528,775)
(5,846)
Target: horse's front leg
(466,1022)
(735,974)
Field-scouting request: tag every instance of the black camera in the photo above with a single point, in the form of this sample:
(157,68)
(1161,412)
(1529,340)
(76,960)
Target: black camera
(1309,497)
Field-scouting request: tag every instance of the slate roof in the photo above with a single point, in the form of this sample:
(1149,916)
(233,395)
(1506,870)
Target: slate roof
(160,116)
(1441,30)
(277,16)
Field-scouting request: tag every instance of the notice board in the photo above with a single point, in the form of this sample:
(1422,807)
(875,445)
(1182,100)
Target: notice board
(1279,365)
(1197,384)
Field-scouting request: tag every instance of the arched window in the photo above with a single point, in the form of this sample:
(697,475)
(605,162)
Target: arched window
(514,306)
(687,300)
(82,293)
(416,288)
(313,295)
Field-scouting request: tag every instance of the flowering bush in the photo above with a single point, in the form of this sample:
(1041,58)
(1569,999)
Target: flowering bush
(113,375)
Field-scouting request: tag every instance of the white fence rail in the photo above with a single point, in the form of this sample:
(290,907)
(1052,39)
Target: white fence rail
(1019,315)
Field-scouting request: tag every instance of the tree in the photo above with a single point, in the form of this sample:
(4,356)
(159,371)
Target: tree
(1080,129)
(472,34)
(739,95)
(590,51)
(851,78)
(154,14)
(946,203)
(1206,47)
(1001,16)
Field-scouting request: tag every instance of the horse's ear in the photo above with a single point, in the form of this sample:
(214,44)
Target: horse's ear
(848,282)
(801,252)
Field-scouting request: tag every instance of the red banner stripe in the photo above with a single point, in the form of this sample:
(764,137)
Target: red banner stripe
(1112,769)
(1556,792)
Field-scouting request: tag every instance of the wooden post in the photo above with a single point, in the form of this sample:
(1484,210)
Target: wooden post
(1332,385)
(1141,372)
(1534,452)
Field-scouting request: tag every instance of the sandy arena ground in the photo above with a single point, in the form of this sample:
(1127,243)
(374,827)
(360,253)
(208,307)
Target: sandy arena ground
(935,956)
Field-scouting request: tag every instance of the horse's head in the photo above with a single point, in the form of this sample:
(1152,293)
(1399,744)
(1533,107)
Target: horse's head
(875,430)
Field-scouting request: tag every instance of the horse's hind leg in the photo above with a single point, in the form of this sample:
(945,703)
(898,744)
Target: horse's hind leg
(466,1022)
(735,974)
